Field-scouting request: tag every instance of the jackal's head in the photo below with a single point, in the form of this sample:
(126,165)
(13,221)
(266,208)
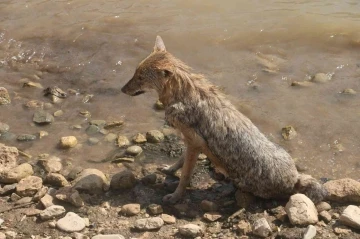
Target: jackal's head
(152,72)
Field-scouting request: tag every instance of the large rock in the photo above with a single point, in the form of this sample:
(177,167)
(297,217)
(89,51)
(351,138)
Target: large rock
(51,164)
(16,174)
(51,212)
(301,210)
(123,180)
(149,223)
(92,181)
(351,217)
(71,223)
(8,157)
(29,186)
(4,96)
(190,230)
(343,190)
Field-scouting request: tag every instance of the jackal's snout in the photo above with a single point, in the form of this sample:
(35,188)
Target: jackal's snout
(132,88)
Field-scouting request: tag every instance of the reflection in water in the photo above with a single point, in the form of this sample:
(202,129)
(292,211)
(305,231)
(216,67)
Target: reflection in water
(252,49)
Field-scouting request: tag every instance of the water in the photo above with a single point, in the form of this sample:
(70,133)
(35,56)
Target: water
(94,46)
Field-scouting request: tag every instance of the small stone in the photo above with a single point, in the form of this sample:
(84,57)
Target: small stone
(310,232)
(122,141)
(85,114)
(261,228)
(8,159)
(58,113)
(323,206)
(43,134)
(47,201)
(91,181)
(301,83)
(154,136)
(8,189)
(98,123)
(123,160)
(68,142)
(243,227)
(348,91)
(76,126)
(71,223)
(32,84)
(155,209)
(343,190)
(34,104)
(4,96)
(10,234)
(52,164)
(93,141)
(92,129)
(24,200)
(51,212)
(4,128)
(70,195)
(301,210)
(134,150)
(190,230)
(351,217)
(168,219)
(43,117)
(113,124)
(30,212)
(208,206)
(14,197)
(325,216)
(110,137)
(112,236)
(29,186)
(52,224)
(159,105)
(87,98)
(131,209)
(26,137)
(74,173)
(123,180)
(149,223)
(41,193)
(16,174)
(56,179)
(212,216)
(321,77)
(139,138)
(341,230)
(288,132)
(202,156)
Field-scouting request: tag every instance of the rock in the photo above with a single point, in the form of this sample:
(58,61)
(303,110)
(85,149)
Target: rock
(134,150)
(74,172)
(92,181)
(325,216)
(343,190)
(301,83)
(93,141)
(34,104)
(98,123)
(24,200)
(139,138)
(2,235)
(342,230)
(8,157)
(51,212)
(243,227)
(43,134)
(92,129)
(351,217)
(26,137)
(261,228)
(8,189)
(14,197)
(16,174)
(301,210)
(154,136)
(212,216)
(159,105)
(110,137)
(10,234)
(323,206)
(208,206)
(56,179)
(168,219)
(70,195)
(123,180)
(71,223)
(41,193)
(279,213)
(112,236)
(28,186)
(288,132)
(155,209)
(130,209)
(4,96)
(4,128)
(123,160)
(321,77)
(244,199)
(113,124)
(190,230)
(58,113)
(310,232)
(149,223)
(52,224)
(348,91)
(68,142)
(122,141)
(52,164)
(47,201)
(43,117)
(77,235)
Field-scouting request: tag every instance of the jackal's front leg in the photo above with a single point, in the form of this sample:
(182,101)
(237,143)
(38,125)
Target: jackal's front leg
(186,173)
(171,169)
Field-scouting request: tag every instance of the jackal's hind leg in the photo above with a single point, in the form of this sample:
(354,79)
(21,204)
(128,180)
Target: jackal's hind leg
(171,169)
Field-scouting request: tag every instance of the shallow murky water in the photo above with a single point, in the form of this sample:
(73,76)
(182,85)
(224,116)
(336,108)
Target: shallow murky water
(252,49)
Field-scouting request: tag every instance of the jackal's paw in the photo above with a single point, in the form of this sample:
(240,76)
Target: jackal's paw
(166,169)
(171,198)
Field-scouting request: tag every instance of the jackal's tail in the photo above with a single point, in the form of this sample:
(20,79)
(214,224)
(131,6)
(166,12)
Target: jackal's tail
(312,188)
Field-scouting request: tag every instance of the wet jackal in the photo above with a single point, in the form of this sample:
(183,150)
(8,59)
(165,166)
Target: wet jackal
(212,125)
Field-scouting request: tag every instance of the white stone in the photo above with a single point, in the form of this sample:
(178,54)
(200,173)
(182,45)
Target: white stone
(301,210)
(71,223)
(52,211)
(190,230)
(261,228)
(351,217)
(149,223)
(310,232)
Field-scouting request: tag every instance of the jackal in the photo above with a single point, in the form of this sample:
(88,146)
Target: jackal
(210,124)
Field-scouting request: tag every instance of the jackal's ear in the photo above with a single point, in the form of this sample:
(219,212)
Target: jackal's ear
(159,44)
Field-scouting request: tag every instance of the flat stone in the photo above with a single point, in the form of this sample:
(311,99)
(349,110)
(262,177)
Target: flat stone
(51,212)
(113,124)
(168,219)
(43,117)
(261,228)
(131,209)
(51,164)
(351,217)
(139,138)
(56,179)
(112,236)
(4,96)
(134,150)
(26,137)
(30,212)
(47,200)
(122,141)
(208,206)
(16,174)
(99,123)
(70,195)
(24,200)
(68,142)
(92,181)
(190,230)
(123,180)
(310,232)
(212,216)
(154,136)
(348,91)
(149,223)
(8,157)
(71,223)
(343,190)
(155,209)
(29,186)
(301,210)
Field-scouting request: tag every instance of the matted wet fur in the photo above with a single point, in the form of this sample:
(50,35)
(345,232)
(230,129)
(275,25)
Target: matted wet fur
(212,125)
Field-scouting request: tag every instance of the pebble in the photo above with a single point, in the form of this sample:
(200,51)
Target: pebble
(139,138)
(190,230)
(14,197)
(8,189)
(123,180)
(208,206)
(279,213)
(288,132)
(301,210)
(70,195)
(310,232)
(98,123)
(112,236)
(154,136)
(4,96)
(323,206)
(131,209)
(351,217)
(321,77)
(343,190)
(47,200)
(348,91)
(155,209)
(341,229)
(24,200)
(110,137)
(68,142)
(113,124)
(261,228)
(52,211)
(56,179)
(51,164)
(122,141)
(43,134)
(93,141)
(325,216)
(41,193)
(26,137)
(29,186)
(134,150)
(71,223)
(149,223)
(301,83)
(159,105)
(243,227)
(43,117)
(168,219)
(4,128)
(16,174)
(92,181)
(58,113)
(212,216)
(92,129)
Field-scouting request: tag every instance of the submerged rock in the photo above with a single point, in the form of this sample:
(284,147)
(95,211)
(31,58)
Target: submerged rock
(139,138)
(122,141)
(4,128)
(288,132)
(322,77)
(68,142)
(43,117)
(4,96)
(26,137)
